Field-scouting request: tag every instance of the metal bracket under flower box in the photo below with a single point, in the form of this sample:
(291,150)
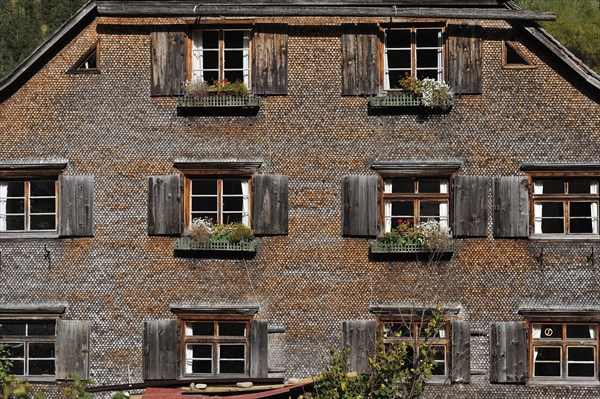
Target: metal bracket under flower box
(397,100)
(188,244)
(218,101)
(378,247)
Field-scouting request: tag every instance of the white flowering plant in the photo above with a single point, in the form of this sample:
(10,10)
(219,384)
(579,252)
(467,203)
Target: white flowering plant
(433,94)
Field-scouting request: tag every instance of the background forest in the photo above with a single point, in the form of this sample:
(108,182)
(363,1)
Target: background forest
(25,24)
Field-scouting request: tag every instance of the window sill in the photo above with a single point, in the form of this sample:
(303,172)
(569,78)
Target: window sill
(564,383)
(27,235)
(38,378)
(562,237)
(187,247)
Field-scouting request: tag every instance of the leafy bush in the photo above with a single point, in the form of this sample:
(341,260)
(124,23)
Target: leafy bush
(234,232)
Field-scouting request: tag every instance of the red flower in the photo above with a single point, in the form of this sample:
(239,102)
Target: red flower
(405,73)
(399,221)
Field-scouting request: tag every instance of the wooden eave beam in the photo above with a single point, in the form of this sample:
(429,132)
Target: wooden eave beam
(193,9)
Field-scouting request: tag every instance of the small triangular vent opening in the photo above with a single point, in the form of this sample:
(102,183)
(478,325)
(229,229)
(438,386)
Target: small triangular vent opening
(88,61)
(513,56)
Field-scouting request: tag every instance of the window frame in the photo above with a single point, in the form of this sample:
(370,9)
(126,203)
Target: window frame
(512,45)
(221,28)
(563,343)
(565,198)
(27,232)
(189,177)
(215,341)
(26,340)
(416,197)
(441,67)
(415,326)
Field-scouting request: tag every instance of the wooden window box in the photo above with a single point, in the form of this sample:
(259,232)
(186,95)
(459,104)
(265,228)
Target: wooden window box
(218,101)
(188,247)
(396,100)
(378,247)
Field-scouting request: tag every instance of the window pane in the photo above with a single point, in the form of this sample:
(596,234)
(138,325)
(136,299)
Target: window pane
(547,354)
(547,369)
(231,367)
(394,77)
(41,328)
(581,331)
(232,329)
(43,205)
(41,349)
(199,328)
(202,366)
(41,367)
(234,59)
(234,76)
(402,185)
(398,59)
(16,350)
(42,188)
(15,206)
(580,369)
(581,226)
(397,330)
(428,37)
(16,189)
(429,211)
(234,38)
(201,351)
(580,209)
(581,186)
(427,58)
(404,209)
(553,331)
(430,186)
(431,74)
(42,222)
(211,76)
(232,187)
(204,204)
(210,39)
(397,38)
(18,367)
(552,226)
(210,60)
(232,218)
(204,187)
(12,328)
(232,351)
(233,203)
(581,354)
(553,186)
(205,215)
(15,223)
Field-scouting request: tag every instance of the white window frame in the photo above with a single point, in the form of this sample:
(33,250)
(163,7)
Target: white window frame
(27,197)
(413,70)
(220,195)
(198,53)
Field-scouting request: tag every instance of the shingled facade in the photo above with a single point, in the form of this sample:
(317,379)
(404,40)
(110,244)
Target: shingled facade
(103,166)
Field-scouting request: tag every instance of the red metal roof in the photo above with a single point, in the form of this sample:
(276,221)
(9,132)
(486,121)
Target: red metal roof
(177,393)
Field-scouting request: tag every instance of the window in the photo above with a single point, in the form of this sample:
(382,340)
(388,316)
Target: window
(28,205)
(88,63)
(224,200)
(221,54)
(566,351)
(567,206)
(396,331)
(512,57)
(30,346)
(417,199)
(216,347)
(416,51)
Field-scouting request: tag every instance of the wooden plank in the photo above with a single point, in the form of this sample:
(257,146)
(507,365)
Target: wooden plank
(270,204)
(259,348)
(511,207)
(359,206)
(464,69)
(269,66)
(191,9)
(456,3)
(164,205)
(168,63)
(76,206)
(72,349)
(160,350)
(461,352)
(360,59)
(470,206)
(360,337)
(498,352)
(522,353)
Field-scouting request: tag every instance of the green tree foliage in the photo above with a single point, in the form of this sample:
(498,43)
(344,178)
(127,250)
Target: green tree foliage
(25,24)
(577,26)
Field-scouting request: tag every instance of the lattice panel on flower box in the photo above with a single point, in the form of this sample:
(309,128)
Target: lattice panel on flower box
(378,247)
(189,244)
(396,100)
(218,101)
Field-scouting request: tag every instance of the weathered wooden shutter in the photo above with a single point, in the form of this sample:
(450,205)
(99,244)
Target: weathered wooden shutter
(76,210)
(270,204)
(259,349)
(168,63)
(461,352)
(465,72)
(509,353)
(72,349)
(360,197)
(511,207)
(360,59)
(164,205)
(269,64)
(360,337)
(470,206)
(161,350)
